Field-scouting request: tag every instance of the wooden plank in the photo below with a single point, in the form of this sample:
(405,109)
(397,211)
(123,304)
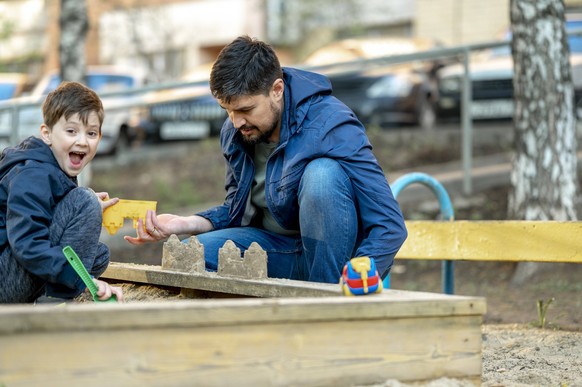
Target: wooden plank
(400,335)
(270,287)
(194,313)
(261,355)
(540,241)
(340,353)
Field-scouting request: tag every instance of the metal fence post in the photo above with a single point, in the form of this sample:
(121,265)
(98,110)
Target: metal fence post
(467,126)
(14,124)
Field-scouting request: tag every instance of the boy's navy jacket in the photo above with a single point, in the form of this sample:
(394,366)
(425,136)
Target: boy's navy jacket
(31,185)
(314,124)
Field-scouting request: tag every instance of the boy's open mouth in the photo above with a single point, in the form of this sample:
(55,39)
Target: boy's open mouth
(76,157)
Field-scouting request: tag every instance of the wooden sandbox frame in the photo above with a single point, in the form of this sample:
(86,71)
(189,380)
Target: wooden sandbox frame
(315,337)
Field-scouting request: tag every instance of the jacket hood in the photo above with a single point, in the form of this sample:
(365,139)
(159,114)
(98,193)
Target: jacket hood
(30,149)
(304,85)
(300,87)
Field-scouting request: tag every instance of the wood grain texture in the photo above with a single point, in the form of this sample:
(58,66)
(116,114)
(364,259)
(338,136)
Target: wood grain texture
(305,341)
(539,241)
(268,287)
(390,304)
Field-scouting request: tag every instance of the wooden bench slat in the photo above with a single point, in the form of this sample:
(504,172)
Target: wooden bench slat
(539,241)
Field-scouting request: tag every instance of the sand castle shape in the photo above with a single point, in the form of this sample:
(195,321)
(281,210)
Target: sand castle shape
(114,216)
(189,258)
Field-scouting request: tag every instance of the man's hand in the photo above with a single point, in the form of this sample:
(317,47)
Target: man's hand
(159,227)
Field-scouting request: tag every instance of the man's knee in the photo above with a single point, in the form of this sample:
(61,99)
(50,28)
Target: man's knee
(323,178)
(323,169)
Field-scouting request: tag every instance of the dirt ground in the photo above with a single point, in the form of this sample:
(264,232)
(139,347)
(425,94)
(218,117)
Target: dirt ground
(516,351)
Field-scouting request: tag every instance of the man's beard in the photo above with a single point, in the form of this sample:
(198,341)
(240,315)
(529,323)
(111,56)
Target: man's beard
(263,136)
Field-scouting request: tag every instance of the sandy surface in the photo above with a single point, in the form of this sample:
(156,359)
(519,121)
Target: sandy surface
(517,355)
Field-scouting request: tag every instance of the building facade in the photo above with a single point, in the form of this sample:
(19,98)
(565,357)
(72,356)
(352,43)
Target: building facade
(171,39)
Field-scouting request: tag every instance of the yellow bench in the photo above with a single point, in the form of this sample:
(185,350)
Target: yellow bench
(507,240)
(463,240)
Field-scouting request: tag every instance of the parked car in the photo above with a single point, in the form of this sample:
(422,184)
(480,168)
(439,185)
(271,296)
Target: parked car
(186,112)
(387,97)
(383,96)
(102,79)
(12,85)
(491,73)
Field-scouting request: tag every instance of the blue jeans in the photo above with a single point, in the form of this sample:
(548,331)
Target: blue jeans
(76,222)
(329,230)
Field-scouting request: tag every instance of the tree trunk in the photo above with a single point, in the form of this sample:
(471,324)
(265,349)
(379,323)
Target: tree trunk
(74,24)
(544,175)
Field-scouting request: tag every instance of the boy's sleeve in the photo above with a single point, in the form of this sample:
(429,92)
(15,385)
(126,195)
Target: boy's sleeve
(30,209)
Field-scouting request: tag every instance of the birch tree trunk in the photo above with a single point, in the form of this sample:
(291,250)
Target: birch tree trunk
(544,174)
(74,24)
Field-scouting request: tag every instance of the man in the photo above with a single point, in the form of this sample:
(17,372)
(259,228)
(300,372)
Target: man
(301,178)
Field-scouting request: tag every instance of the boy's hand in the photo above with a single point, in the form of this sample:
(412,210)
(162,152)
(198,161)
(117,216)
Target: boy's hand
(105,201)
(106,291)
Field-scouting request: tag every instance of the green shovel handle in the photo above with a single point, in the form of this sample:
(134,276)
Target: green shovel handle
(74,260)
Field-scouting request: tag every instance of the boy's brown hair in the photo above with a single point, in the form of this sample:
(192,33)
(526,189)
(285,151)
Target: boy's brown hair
(71,98)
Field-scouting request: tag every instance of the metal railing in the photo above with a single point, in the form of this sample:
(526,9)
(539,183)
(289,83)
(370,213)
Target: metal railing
(12,108)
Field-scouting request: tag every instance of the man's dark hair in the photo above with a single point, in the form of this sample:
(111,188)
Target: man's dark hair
(244,67)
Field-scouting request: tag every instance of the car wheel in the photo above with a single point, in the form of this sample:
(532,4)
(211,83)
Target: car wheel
(426,114)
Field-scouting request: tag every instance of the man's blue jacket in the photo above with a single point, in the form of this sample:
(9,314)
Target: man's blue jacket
(314,124)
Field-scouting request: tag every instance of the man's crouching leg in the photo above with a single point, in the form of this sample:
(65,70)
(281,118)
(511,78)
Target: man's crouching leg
(328,220)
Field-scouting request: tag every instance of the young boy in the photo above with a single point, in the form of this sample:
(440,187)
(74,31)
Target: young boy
(43,210)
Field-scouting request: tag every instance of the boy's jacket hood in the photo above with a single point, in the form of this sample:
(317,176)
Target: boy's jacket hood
(15,155)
